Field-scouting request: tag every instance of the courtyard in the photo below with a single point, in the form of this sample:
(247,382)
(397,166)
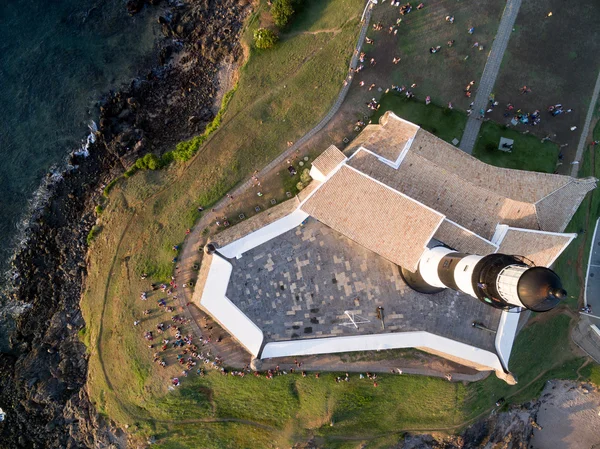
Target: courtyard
(300,284)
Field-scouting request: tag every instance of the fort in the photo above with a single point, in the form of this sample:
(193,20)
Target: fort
(362,258)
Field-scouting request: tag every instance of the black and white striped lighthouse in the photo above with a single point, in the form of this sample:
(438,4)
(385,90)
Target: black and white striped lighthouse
(498,280)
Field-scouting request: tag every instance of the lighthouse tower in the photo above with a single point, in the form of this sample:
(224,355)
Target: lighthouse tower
(498,280)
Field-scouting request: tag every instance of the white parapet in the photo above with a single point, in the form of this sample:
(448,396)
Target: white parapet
(376,342)
(225,312)
(505,336)
(264,234)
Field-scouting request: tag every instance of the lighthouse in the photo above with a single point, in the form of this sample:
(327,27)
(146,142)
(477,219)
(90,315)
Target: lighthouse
(498,280)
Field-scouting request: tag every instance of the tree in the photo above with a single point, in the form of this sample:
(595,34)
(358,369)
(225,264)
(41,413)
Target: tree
(282,11)
(265,38)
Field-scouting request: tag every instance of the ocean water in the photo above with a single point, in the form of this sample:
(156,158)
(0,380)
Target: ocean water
(57,57)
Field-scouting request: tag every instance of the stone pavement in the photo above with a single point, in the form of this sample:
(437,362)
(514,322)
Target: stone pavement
(490,73)
(586,128)
(300,284)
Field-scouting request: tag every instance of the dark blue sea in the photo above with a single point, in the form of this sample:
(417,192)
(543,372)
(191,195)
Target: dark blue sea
(57,57)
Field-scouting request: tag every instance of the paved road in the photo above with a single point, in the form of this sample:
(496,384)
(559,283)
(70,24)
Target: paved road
(490,73)
(586,128)
(592,282)
(188,256)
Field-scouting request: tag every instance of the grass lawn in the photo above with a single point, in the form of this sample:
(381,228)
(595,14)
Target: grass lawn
(544,54)
(541,352)
(572,263)
(447,124)
(528,153)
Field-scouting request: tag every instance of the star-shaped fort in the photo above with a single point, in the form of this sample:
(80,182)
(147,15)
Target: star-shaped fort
(400,241)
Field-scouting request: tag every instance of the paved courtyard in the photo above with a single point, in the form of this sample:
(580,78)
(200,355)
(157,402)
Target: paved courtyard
(299,285)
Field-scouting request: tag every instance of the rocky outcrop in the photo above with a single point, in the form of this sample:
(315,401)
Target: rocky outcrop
(43,372)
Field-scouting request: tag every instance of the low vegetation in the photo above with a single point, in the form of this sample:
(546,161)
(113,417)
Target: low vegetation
(265,38)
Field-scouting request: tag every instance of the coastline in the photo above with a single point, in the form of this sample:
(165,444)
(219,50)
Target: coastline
(43,363)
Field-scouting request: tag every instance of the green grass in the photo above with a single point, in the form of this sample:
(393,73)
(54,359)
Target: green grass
(447,124)
(541,349)
(528,153)
(572,263)
(591,372)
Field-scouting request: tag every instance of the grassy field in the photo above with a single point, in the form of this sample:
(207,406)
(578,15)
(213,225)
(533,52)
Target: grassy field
(570,77)
(572,264)
(447,124)
(528,153)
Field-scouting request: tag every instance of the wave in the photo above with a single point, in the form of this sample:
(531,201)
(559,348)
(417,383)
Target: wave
(37,204)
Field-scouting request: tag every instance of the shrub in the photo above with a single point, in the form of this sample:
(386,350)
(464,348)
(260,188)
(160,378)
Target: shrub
(148,162)
(282,11)
(185,150)
(265,38)
(99,209)
(305,176)
(109,187)
(93,234)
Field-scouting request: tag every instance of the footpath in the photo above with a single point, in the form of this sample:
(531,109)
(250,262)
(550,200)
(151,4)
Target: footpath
(490,73)
(584,334)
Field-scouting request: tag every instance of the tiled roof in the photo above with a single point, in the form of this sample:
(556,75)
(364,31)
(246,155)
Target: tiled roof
(254,223)
(469,192)
(387,139)
(328,160)
(540,247)
(378,218)
(556,210)
(462,240)
(476,209)
(519,185)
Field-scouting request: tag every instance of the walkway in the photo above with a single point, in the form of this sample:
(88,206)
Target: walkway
(583,334)
(586,128)
(230,351)
(592,281)
(490,73)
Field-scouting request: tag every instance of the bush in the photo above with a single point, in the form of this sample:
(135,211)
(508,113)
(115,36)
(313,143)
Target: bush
(282,11)
(109,187)
(265,38)
(148,162)
(185,150)
(305,176)
(93,234)
(99,209)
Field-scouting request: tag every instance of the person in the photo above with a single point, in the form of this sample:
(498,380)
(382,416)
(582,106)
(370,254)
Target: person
(471,30)
(427,99)
(450,19)
(450,43)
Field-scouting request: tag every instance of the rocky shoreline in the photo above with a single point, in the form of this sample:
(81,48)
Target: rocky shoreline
(43,367)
